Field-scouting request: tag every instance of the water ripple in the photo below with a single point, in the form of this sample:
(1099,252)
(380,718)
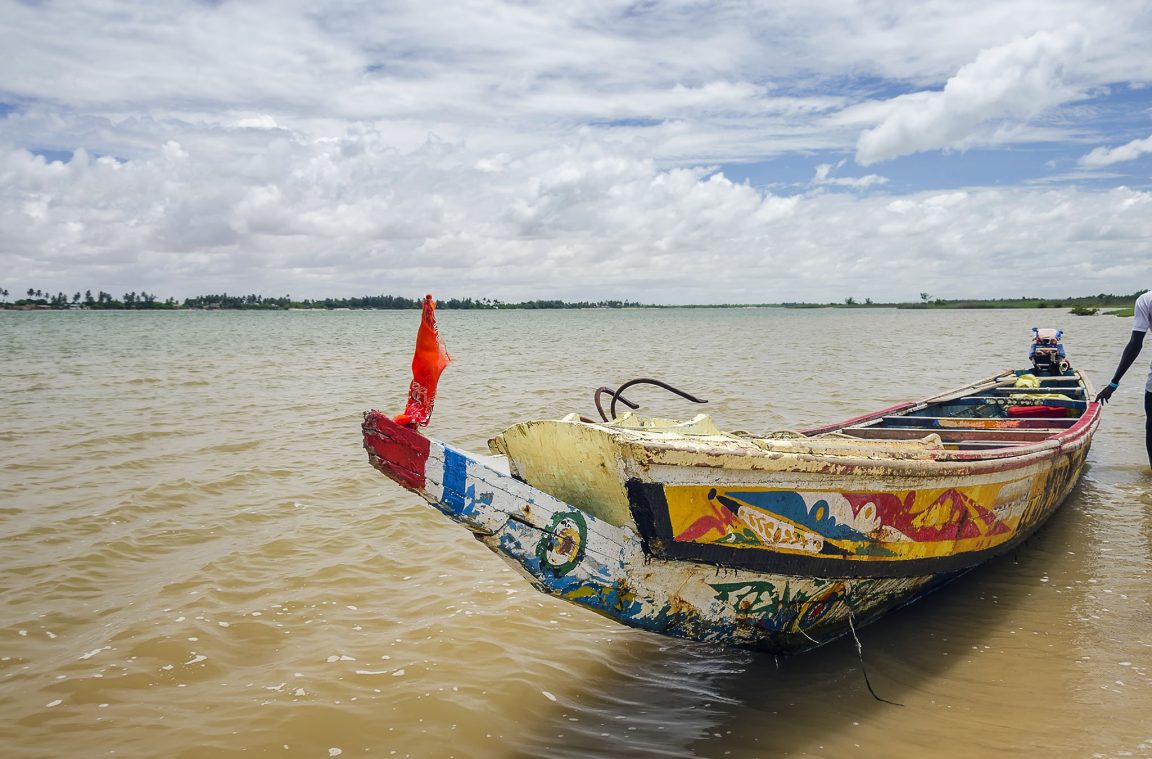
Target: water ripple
(198,562)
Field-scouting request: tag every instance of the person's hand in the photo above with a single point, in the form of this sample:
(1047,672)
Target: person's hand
(1105,394)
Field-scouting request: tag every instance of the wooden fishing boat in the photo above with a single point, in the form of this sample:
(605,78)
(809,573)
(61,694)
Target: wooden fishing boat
(779,541)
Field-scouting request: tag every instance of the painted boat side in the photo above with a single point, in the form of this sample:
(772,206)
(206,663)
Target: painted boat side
(851,510)
(634,569)
(575,556)
(865,532)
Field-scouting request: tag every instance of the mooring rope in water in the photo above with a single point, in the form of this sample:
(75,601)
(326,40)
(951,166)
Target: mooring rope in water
(860,653)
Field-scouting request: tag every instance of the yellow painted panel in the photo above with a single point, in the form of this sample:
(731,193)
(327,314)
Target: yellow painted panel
(905,524)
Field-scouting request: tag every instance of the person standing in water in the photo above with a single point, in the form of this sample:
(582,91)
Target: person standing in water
(1140,325)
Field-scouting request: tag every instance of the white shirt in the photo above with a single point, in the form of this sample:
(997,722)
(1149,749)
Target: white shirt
(1141,321)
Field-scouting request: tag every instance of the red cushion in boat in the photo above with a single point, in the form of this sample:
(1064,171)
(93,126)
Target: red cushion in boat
(1037,411)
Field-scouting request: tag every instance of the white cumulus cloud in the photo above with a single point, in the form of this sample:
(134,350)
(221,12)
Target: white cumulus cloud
(352,215)
(507,149)
(1014,81)
(1108,156)
(824,177)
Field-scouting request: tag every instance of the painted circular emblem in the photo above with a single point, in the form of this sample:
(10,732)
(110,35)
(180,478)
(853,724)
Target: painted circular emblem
(562,546)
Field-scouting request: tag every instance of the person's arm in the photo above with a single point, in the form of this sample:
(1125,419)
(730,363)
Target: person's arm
(1131,351)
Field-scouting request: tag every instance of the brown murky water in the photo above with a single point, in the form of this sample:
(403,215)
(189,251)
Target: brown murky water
(197,560)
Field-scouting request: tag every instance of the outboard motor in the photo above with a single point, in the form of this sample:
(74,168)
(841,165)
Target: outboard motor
(1047,354)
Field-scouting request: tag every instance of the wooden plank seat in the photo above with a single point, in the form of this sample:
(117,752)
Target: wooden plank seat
(992,400)
(952,422)
(1072,392)
(952,435)
(981,445)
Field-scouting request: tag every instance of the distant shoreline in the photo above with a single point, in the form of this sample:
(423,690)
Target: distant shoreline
(1077,309)
(1118,305)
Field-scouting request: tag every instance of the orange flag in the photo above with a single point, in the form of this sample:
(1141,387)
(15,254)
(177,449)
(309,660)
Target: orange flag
(427,365)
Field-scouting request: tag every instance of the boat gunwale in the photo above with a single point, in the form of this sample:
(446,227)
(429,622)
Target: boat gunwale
(1064,439)
(940,463)
(936,462)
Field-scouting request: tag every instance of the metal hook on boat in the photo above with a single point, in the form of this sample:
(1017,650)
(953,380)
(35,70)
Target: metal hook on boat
(617,395)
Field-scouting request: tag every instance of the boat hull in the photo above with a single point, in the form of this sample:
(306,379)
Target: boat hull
(829,505)
(638,573)
(896,522)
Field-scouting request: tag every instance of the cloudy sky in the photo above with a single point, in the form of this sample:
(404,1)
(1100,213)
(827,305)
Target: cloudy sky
(667,152)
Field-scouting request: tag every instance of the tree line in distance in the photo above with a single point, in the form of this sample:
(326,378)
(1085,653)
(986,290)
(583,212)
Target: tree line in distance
(38,299)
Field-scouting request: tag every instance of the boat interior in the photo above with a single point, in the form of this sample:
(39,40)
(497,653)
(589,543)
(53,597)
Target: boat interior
(1015,410)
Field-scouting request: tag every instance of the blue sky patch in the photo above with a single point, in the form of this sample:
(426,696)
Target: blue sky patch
(64,156)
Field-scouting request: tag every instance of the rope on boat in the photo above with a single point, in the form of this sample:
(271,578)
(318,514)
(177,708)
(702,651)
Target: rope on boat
(860,653)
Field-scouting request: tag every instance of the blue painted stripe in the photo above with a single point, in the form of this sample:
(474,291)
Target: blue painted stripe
(455,471)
